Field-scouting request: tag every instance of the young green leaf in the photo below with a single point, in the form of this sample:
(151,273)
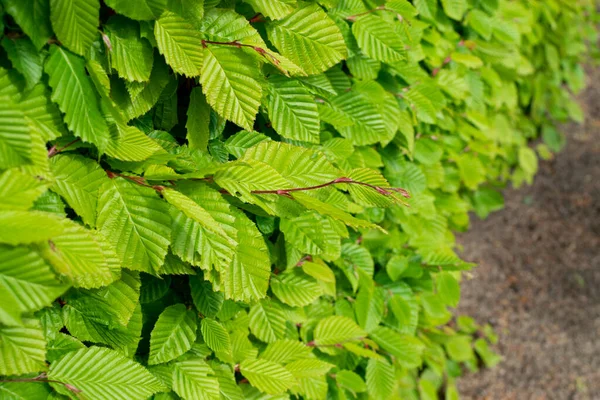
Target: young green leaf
(76,96)
(267,376)
(308,27)
(173,334)
(100,372)
(75,23)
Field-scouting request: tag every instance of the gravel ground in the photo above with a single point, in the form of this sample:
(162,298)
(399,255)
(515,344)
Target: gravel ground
(538,280)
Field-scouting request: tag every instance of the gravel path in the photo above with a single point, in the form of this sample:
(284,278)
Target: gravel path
(538,280)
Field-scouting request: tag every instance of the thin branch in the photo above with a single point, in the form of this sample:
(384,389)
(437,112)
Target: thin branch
(135,179)
(54,151)
(43,378)
(239,45)
(257,18)
(380,8)
(386,191)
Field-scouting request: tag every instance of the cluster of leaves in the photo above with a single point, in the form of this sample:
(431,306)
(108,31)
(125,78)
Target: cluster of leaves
(210,199)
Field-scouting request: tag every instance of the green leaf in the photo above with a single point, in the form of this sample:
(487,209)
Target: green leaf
(285,351)
(396,266)
(22,349)
(312,234)
(295,288)
(215,335)
(248,277)
(402,7)
(25,58)
(406,312)
(299,166)
(195,212)
(459,348)
(332,211)
(363,123)
(274,9)
(230,82)
(292,110)
(190,10)
(226,25)
(471,170)
(15,137)
(350,381)
(16,227)
(142,96)
(448,288)
(27,283)
(41,113)
(123,295)
(25,390)
(227,384)
(140,9)
(131,144)
(267,322)
(309,38)
(207,301)
(468,60)
(19,191)
(427,99)
(82,255)
(378,39)
(455,9)
(203,236)
(381,380)
(61,345)
(76,97)
(103,373)
(197,125)
(488,356)
(528,161)
(131,55)
(193,379)
(242,141)
(407,349)
(91,318)
(75,23)
(136,222)
(369,307)
(243,177)
(173,334)
(337,330)
(33,17)
(77,180)
(487,200)
(180,43)
(267,376)
(309,368)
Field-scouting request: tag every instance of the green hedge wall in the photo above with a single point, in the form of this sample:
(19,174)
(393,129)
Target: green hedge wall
(256,199)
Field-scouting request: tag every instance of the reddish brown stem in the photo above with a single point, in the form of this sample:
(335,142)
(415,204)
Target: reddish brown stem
(54,150)
(257,18)
(136,179)
(239,45)
(44,379)
(380,8)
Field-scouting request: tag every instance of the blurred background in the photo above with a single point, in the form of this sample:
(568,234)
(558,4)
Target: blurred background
(538,280)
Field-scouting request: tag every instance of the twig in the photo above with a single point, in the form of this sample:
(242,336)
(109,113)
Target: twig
(257,18)
(135,179)
(54,151)
(384,191)
(239,45)
(380,8)
(43,378)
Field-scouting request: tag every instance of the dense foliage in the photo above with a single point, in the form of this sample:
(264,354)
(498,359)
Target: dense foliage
(256,199)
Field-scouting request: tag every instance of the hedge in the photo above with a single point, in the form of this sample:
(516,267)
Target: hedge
(256,199)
